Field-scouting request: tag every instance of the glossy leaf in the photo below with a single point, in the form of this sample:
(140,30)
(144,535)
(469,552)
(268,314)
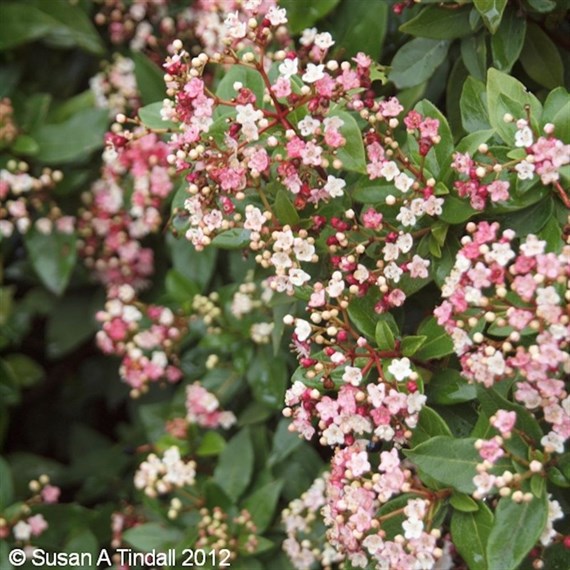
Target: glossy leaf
(53,257)
(470,534)
(267,377)
(474,55)
(439,23)
(150,79)
(438,343)
(232,239)
(212,444)
(557,112)
(507,43)
(151,118)
(491,11)
(473,105)
(449,461)
(448,387)
(301,16)
(518,525)
(262,504)
(151,536)
(411,344)
(464,503)
(541,59)
(416,61)
(352,152)
(286,212)
(430,424)
(235,466)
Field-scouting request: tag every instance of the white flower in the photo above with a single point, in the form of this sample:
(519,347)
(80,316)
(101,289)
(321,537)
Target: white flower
(403,182)
(247,114)
(335,186)
(358,463)
(277,16)
(405,242)
(352,375)
(304,251)
(234,27)
(335,288)
(361,274)
(412,528)
(553,442)
(289,67)
(22,531)
(393,272)
(254,219)
(298,277)
(313,73)
(523,137)
(308,36)
(389,170)
(525,170)
(303,330)
(406,217)
(308,125)
(400,368)
(324,40)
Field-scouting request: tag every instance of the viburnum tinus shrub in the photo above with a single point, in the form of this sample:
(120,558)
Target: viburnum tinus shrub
(280,227)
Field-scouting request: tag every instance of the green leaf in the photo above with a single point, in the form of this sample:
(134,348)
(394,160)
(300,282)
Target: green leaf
(6,484)
(463,502)
(74,139)
(507,43)
(151,536)
(449,461)
(439,23)
(27,371)
(358,25)
(416,61)
(284,442)
(235,466)
(235,238)
(25,144)
(83,540)
(430,424)
(53,257)
(352,152)
(150,117)
(448,387)
(212,444)
(262,503)
(541,59)
(507,95)
(384,336)
(267,377)
(411,344)
(470,534)
(150,79)
(362,314)
(286,212)
(473,105)
(195,265)
(557,112)
(474,55)
(438,344)
(491,11)
(180,288)
(301,16)
(518,525)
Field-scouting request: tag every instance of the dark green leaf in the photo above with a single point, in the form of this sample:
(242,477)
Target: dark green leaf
(358,25)
(384,335)
(285,442)
(430,424)
(438,343)
(448,460)
(473,104)
(25,144)
(439,23)
(491,11)
(232,239)
(507,43)
(474,55)
(416,61)
(212,444)
(262,504)
(180,288)
(267,377)
(462,502)
(448,387)
(235,466)
(74,139)
(195,265)
(557,112)
(286,212)
(26,371)
(301,16)
(411,344)
(150,79)
(362,314)
(541,59)
(6,484)
(53,257)
(248,77)
(518,525)
(151,536)
(470,533)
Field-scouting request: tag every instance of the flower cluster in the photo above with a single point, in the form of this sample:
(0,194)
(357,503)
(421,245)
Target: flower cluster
(8,128)
(486,178)
(160,475)
(115,87)
(26,202)
(496,295)
(303,525)
(203,408)
(144,336)
(123,207)
(217,530)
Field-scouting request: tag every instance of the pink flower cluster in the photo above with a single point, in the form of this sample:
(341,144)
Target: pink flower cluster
(123,207)
(203,408)
(499,295)
(144,336)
